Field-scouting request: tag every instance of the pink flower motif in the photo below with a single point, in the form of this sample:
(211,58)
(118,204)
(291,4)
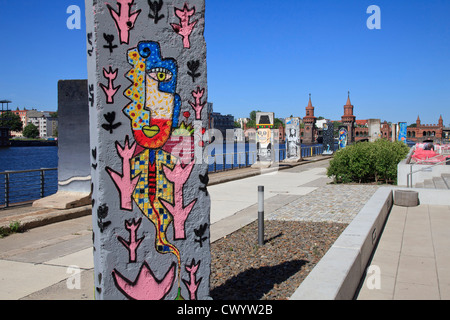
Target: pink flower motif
(110,91)
(184,29)
(146,286)
(124,19)
(198,105)
(178,176)
(124,184)
(192,284)
(134,243)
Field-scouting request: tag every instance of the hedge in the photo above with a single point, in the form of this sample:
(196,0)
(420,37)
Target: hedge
(368,162)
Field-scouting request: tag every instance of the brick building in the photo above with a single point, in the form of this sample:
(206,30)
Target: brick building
(23,117)
(348,120)
(309,132)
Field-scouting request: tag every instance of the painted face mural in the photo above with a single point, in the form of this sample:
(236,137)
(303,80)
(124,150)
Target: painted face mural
(147,93)
(152,176)
(264,136)
(155,106)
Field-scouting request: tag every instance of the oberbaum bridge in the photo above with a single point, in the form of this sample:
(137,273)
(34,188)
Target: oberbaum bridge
(136,159)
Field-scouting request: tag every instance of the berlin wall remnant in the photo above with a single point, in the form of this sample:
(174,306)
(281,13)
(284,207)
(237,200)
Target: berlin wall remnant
(374,129)
(402,132)
(147,91)
(328,138)
(73,137)
(264,136)
(343,137)
(74,174)
(293,142)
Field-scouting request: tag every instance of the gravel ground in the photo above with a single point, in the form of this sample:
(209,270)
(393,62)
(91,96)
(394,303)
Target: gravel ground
(242,270)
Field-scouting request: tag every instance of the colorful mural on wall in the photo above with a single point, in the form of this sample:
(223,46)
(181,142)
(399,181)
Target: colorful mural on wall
(328,138)
(293,140)
(151,227)
(402,131)
(343,137)
(264,136)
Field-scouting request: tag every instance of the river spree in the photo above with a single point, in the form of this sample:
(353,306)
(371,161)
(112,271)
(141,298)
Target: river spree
(28,158)
(19,187)
(27,186)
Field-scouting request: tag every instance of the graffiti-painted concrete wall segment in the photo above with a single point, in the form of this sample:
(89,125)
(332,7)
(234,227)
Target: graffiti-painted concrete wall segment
(264,136)
(343,137)
(328,138)
(293,139)
(73,145)
(147,91)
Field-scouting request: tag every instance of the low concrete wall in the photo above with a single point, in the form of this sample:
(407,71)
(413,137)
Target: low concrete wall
(404,167)
(338,274)
(436,197)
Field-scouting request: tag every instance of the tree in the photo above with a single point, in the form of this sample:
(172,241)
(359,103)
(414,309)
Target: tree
(253,115)
(31,131)
(251,124)
(277,123)
(11,120)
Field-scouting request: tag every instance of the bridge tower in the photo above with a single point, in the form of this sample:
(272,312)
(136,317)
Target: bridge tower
(348,119)
(309,121)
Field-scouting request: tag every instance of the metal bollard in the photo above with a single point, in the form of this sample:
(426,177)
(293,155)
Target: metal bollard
(261,215)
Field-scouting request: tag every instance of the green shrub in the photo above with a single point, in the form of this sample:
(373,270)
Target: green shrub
(368,162)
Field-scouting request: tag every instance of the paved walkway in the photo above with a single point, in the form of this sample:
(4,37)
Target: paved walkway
(412,260)
(37,264)
(328,203)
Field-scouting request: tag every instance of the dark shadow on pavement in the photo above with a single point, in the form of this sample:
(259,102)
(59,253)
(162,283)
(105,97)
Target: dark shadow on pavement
(253,283)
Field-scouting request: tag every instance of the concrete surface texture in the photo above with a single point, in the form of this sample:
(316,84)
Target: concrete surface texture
(148,92)
(412,258)
(74,166)
(293,144)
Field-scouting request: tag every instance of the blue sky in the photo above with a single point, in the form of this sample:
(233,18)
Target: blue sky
(265,54)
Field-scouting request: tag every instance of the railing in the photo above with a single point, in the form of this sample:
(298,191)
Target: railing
(409,178)
(27,185)
(311,151)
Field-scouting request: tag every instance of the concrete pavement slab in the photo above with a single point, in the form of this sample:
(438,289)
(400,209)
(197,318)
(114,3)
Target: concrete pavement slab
(414,291)
(444,290)
(422,260)
(83,259)
(19,279)
(370,291)
(411,269)
(226,201)
(389,260)
(60,290)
